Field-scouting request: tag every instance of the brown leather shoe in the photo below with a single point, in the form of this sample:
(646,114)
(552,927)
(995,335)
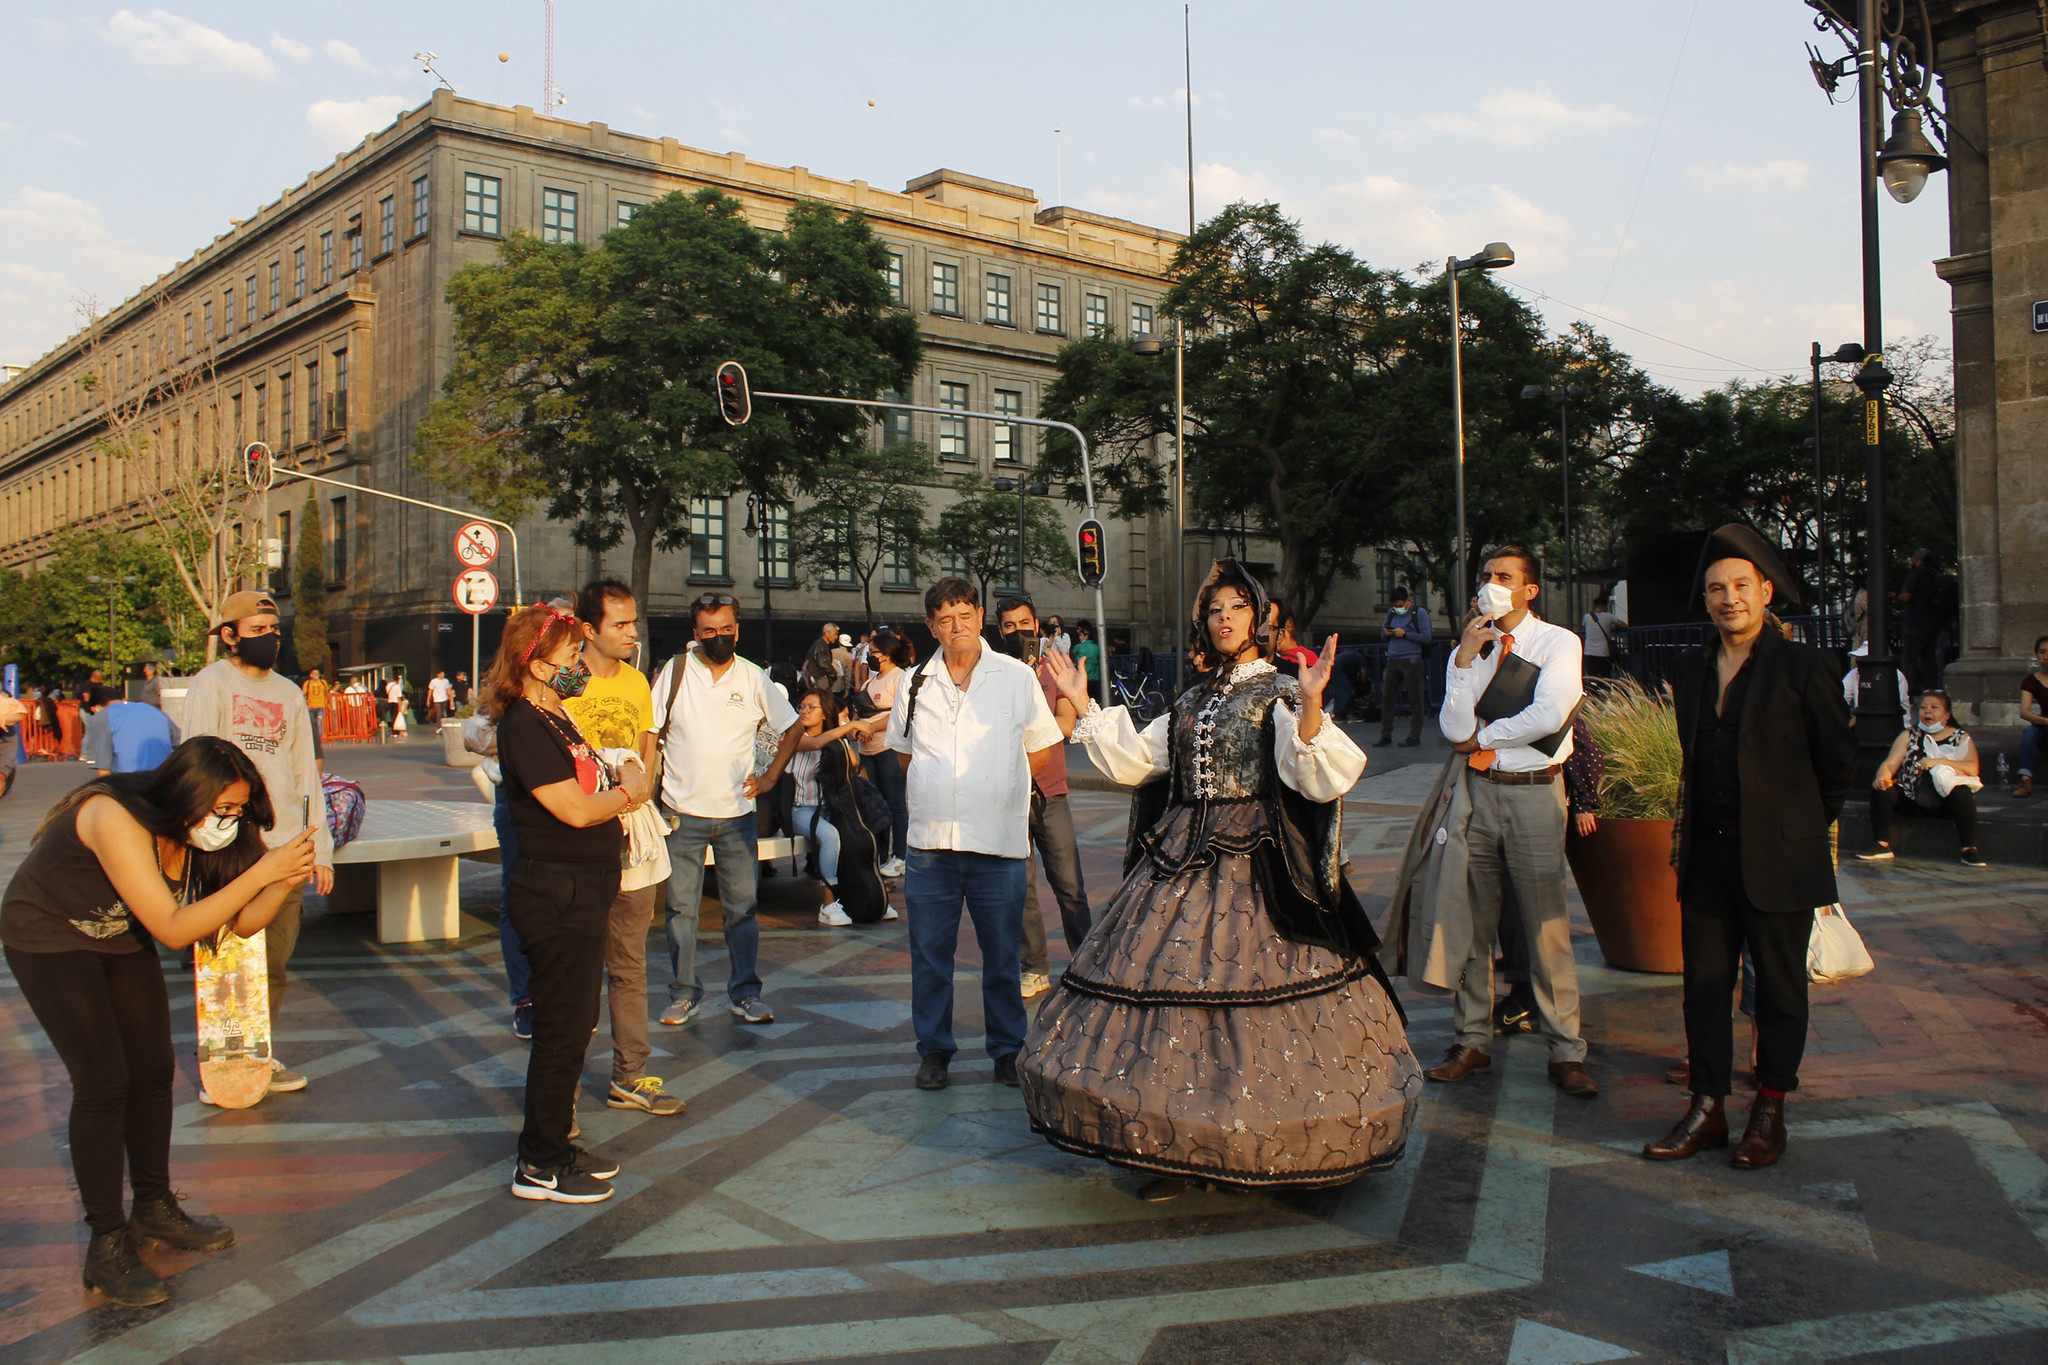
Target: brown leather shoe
(1679,1072)
(1704,1125)
(1572,1077)
(1460,1062)
(1763,1140)
(2025,786)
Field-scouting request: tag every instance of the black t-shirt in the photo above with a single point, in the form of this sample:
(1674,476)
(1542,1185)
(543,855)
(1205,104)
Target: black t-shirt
(61,899)
(539,749)
(1716,798)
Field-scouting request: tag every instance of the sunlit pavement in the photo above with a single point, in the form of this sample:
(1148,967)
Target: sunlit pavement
(812,1206)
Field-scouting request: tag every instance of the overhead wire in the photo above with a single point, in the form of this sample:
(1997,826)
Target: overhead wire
(1640,331)
(1677,64)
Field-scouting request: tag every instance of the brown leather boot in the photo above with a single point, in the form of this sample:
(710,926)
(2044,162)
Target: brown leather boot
(1763,1140)
(1704,1125)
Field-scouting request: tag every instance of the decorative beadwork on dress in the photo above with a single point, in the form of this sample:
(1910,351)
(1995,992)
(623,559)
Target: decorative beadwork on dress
(1202,776)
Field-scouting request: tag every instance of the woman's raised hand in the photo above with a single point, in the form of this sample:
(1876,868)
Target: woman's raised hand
(1068,677)
(290,862)
(1314,680)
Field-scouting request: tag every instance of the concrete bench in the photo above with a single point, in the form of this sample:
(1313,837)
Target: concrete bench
(404,865)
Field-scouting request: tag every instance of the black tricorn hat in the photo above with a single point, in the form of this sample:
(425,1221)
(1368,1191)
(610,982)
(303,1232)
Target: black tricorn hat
(1736,541)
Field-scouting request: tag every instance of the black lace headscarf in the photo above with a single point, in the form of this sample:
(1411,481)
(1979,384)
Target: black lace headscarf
(1228,573)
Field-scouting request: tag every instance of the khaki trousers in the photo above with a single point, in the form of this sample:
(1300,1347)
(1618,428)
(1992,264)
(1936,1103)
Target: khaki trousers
(625,970)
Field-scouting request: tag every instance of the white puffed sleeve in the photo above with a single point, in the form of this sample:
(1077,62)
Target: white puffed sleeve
(1321,769)
(1125,754)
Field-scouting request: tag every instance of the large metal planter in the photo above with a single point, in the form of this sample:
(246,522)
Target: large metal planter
(1630,889)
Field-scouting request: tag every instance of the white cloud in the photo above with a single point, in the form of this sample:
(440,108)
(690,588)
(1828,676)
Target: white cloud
(1522,118)
(345,54)
(76,255)
(340,124)
(163,42)
(1772,177)
(1337,136)
(735,137)
(71,138)
(290,47)
(1394,223)
(1178,98)
(52,29)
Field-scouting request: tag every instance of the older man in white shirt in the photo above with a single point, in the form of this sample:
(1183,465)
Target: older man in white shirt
(1516,833)
(972,727)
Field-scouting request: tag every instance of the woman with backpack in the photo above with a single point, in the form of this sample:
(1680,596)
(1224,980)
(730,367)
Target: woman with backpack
(830,808)
(1932,771)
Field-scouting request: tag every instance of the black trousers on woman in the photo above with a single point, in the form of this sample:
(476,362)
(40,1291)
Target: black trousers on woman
(562,912)
(109,1017)
(1960,805)
(1717,921)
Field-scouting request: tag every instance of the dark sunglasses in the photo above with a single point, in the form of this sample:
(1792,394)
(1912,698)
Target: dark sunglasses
(1022,599)
(713,600)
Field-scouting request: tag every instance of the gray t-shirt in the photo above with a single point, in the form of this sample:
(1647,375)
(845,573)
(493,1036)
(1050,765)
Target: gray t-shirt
(267,719)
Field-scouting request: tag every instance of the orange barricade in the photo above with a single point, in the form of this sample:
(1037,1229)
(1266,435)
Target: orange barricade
(67,742)
(350,718)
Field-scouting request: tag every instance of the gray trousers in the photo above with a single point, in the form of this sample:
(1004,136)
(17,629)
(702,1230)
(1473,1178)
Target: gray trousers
(625,971)
(1516,839)
(1399,674)
(1052,837)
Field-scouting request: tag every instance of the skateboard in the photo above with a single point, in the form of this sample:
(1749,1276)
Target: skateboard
(231,984)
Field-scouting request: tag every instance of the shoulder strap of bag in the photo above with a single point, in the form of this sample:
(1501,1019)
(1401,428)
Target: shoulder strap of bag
(910,707)
(668,709)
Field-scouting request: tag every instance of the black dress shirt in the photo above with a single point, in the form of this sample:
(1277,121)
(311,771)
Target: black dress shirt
(1716,762)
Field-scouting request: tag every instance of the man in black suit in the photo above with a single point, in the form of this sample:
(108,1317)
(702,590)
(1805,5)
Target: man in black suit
(1768,762)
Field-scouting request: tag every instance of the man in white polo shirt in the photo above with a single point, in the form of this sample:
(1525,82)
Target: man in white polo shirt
(973,727)
(708,702)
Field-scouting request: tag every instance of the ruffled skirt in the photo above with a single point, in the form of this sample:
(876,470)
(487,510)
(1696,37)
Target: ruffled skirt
(1188,1038)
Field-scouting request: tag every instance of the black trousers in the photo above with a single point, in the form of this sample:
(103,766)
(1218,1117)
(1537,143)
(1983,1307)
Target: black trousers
(1717,920)
(109,1017)
(562,912)
(1402,675)
(1959,805)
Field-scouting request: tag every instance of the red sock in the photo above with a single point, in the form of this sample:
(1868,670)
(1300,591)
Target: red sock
(1769,1093)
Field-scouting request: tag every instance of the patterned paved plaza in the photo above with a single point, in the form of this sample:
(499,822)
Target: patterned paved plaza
(812,1206)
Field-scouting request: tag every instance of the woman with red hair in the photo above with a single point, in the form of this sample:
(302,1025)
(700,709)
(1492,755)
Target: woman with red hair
(565,803)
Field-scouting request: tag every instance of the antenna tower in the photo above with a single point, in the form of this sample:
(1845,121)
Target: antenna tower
(550,98)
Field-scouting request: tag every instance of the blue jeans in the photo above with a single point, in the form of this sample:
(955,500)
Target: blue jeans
(934,887)
(518,975)
(824,834)
(2030,749)
(733,844)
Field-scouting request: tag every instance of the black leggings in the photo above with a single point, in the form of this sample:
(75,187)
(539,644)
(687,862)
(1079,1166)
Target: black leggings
(109,1017)
(1960,805)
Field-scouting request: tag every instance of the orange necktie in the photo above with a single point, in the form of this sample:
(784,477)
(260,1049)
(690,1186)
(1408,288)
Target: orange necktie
(1482,759)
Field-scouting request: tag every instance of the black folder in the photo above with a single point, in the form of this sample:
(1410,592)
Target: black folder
(1511,692)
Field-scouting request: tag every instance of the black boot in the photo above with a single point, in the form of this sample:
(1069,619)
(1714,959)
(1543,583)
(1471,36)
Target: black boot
(161,1221)
(113,1267)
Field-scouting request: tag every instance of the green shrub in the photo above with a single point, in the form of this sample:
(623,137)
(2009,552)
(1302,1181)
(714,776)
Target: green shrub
(1637,733)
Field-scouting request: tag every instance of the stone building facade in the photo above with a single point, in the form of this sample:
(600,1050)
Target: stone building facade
(324,315)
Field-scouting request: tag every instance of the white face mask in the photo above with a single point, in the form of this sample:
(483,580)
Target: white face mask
(1934,727)
(214,833)
(1494,600)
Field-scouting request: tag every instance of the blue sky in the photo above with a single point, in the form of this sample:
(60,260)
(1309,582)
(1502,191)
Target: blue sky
(1666,163)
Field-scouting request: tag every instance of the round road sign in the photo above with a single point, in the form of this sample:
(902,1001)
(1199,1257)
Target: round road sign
(476,544)
(476,591)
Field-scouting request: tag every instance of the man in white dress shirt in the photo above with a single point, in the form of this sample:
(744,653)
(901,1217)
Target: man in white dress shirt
(973,727)
(1517,828)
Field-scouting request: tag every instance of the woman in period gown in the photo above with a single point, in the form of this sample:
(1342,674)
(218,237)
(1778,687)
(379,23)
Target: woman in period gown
(1226,1018)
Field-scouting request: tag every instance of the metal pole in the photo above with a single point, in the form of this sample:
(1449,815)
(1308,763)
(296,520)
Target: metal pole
(1023,491)
(1454,607)
(476,635)
(1877,706)
(1820,494)
(1564,456)
(518,597)
(1180,494)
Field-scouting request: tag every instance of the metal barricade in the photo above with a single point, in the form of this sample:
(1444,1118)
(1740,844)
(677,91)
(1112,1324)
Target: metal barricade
(349,718)
(68,741)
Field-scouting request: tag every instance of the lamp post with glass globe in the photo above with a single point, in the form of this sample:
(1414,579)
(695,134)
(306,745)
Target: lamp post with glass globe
(1492,256)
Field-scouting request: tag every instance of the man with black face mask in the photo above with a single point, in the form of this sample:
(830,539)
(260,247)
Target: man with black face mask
(243,701)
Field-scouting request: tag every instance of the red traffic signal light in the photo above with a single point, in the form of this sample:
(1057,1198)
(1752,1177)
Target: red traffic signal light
(1094,562)
(735,403)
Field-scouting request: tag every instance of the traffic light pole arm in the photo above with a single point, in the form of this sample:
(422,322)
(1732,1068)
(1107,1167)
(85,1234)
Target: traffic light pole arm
(1087,472)
(518,599)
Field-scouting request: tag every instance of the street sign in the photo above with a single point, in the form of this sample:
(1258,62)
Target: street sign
(476,544)
(476,591)
(2041,315)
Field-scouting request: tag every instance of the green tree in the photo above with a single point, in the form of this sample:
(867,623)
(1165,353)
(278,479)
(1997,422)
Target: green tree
(309,589)
(56,620)
(980,532)
(583,378)
(866,506)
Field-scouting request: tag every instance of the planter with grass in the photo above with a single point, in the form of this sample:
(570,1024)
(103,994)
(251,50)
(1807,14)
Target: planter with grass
(1624,867)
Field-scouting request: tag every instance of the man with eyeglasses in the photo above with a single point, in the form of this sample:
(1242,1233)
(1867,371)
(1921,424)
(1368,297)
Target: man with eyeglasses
(1052,825)
(708,702)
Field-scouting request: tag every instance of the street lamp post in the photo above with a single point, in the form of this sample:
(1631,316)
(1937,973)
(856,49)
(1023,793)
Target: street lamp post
(1493,256)
(764,557)
(1563,398)
(1148,343)
(1849,353)
(1023,490)
(113,585)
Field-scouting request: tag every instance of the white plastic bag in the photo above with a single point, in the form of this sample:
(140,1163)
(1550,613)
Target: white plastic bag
(1947,779)
(1835,952)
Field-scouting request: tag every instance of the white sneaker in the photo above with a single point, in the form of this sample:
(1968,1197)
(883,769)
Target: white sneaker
(1035,983)
(893,868)
(834,914)
(889,912)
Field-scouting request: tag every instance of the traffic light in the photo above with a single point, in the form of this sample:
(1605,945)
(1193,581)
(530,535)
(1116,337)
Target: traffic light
(735,404)
(1093,562)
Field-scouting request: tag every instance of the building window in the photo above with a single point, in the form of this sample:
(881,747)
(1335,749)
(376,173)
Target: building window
(625,214)
(838,535)
(953,563)
(337,539)
(953,430)
(188,334)
(1094,314)
(1007,438)
(1141,318)
(387,224)
(557,216)
(774,545)
(337,402)
(298,273)
(707,537)
(262,414)
(326,259)
(946,289)
(284,410)
(1049,310)
(249,293)
(480,204)
(206,315)
(355,250)
(995,291)
(899,568)
(281,576)
(892,275)
(313,400)
(276,292)
(422,205)
(895,422)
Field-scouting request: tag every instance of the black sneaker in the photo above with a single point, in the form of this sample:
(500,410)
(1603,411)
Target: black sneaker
(1972,858)
(1877,853)
(522,1022)
(931,1072)
(1516,1013)
(591,1164)
(1006,1070)
(562,1185)
(161,1221)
